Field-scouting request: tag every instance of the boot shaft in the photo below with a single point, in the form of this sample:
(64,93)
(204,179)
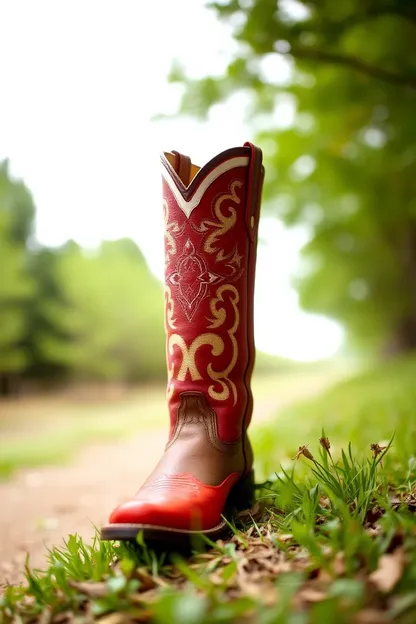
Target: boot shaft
(211,222)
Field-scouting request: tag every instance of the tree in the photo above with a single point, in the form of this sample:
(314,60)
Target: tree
(345,166)
(44,325)
(16,287)
(110,316)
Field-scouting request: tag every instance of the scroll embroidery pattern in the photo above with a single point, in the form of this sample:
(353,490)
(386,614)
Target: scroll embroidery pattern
(188,282)
(218,306)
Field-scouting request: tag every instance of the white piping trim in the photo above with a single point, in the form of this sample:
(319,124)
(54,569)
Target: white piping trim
(188,206)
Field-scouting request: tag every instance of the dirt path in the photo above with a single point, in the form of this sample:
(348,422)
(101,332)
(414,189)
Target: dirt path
(42,507)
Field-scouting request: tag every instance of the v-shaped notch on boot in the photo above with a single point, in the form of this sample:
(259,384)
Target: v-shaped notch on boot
(189,196)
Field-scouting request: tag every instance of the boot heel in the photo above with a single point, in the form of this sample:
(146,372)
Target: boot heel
(242,496)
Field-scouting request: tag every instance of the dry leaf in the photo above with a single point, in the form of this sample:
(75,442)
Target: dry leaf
(268,595)
(389,571)
(149,596)
(147,581)
(114,618)
(143,615)
(324,577)
(277,567)
(260,553)
(46,616)
(65,616)
(92,590)
(206,556)
(250,586)
(324,502)
(284,537)
(257,541)
(249,513)
(311,594)
(369,616)
(339,564)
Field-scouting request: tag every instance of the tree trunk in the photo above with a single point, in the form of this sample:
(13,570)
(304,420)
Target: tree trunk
(4,385)
(404,336)
(9,385)
(405,339)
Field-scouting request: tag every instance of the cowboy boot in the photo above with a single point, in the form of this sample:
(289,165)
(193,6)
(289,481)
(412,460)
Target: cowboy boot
(211,220)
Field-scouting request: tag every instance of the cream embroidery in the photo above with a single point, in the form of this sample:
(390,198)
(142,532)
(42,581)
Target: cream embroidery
(191,279)
(188,359)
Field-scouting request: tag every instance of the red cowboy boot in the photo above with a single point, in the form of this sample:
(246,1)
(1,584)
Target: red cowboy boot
(211,219)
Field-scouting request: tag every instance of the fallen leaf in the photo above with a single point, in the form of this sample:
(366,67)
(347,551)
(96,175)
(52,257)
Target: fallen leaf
(369,616)
(339,564)
(260,553)
(257,541)
(374,514)
(46,616)
(252,585)
(248,514)
(411,502)
(149,596)
(206,556)
(324,502)
(65,616)
(250,531)
(90,589)
(148,581)
(323,576)
(114,618)
(389,571)
(284,537)
(311,594)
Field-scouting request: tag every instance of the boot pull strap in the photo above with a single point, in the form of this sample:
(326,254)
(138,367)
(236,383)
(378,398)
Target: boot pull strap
(254,188)
(182,167)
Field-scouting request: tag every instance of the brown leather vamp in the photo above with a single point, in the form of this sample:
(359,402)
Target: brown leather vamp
(195,446)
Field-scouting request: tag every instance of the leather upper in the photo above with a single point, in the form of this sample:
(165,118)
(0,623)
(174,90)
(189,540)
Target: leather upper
(211,220)
(210,228)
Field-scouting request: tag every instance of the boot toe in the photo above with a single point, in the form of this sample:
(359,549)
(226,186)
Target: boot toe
(178,502)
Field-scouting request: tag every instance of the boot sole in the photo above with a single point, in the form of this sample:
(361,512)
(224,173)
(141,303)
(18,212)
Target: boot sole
(241,497)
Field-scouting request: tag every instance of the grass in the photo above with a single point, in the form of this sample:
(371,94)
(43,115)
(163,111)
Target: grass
(332,537)
(364,409)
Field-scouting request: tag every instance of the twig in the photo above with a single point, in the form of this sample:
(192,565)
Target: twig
(355,63)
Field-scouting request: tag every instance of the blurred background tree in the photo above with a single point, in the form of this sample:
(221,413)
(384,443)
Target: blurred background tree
(111,315)
(17,289)
(71,314)
(331,87)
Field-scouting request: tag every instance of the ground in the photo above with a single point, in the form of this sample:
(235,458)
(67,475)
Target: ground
(42,505)
(331,538)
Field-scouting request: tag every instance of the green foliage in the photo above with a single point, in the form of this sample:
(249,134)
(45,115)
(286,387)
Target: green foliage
(16,204)
(16,287)
(327,510)
(82,561)
(367,408)
(68,313)
(42,319)
(111,314)
(331,91)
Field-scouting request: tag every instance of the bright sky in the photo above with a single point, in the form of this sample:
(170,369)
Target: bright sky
(80,82)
